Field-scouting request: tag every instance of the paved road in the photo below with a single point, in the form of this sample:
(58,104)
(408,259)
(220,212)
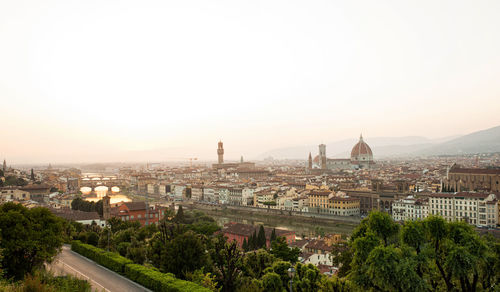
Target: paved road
(101,279)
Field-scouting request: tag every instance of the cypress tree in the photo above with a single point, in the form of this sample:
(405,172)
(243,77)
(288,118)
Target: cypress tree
(255,242)
(273,235)
(245,245)
(261,237)
(32,175)
(179,218)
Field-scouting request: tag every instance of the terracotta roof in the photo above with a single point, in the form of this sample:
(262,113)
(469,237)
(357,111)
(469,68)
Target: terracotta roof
(319,244)
(461,194)
(474,170)
(135,206)
(320,193)
(361,148)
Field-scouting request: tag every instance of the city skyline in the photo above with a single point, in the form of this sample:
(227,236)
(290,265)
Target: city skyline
(97,81)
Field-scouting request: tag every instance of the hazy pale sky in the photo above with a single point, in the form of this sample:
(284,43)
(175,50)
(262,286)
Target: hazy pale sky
(91,80)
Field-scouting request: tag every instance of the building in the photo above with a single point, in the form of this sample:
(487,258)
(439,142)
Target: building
(410,208)
(361,154)
(361,158)
(472,179)
(318,201)
(86,218)
(326,202)
(38,192)
(343,206)
(14,194)
(220,161)
(137,212)
(480,209)
(239,232)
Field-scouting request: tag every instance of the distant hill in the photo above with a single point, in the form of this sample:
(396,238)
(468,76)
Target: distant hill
(381,147)
(484,141)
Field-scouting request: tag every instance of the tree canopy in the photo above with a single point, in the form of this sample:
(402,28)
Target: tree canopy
(29,238)
(426,255)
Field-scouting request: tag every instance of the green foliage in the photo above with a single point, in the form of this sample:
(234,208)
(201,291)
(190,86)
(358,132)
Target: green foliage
(92,238)
(255,262)
(110,260)
(261,238)
(147,277)
(13,180)
(179,217)
(185,253)
(336,284)
(226,257)
(158,281)
(80,204)
(280,249)
(206,280)
(424,255)
(272,282)
(273,235)
(29,238)
(307,278)
(44,281)
(136,252)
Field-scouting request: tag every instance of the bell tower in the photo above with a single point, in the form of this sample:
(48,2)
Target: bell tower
(106,207)
(322,156)
(220,152)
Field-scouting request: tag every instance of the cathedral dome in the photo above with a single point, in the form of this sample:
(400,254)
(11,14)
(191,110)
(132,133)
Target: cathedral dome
(361,151)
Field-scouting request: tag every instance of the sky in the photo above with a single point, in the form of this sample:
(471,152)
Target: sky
(106,80)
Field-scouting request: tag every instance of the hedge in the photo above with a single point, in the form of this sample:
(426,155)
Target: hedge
(149,278)
(110,260)
(158,281)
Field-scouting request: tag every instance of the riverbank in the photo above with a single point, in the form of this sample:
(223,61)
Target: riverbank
(302,225)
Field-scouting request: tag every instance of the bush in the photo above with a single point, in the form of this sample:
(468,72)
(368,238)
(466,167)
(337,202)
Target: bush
(149,278)
(158,281)
(110,260)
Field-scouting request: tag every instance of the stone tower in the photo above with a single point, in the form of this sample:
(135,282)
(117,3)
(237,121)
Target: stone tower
(322,156)
(310,162)
(220,152)
(106,207)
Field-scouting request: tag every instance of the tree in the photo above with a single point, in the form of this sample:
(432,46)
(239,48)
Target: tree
(179,217)
(280,249)
(272,282)
(256,262)
(227,263)
(30,237)
(425,255)
(261,238)
(244,246)
(32,176)
(273,235)
(183,254)
(93,238)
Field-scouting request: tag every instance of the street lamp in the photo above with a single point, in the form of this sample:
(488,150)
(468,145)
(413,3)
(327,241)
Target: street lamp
(291,274)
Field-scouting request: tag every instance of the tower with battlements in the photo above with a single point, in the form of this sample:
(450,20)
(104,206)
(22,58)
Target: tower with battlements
(220,152)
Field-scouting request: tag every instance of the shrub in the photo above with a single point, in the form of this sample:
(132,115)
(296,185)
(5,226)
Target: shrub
(147,277)
(110,260)
(158,281)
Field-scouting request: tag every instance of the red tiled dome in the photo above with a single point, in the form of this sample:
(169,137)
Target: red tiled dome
(361,148)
